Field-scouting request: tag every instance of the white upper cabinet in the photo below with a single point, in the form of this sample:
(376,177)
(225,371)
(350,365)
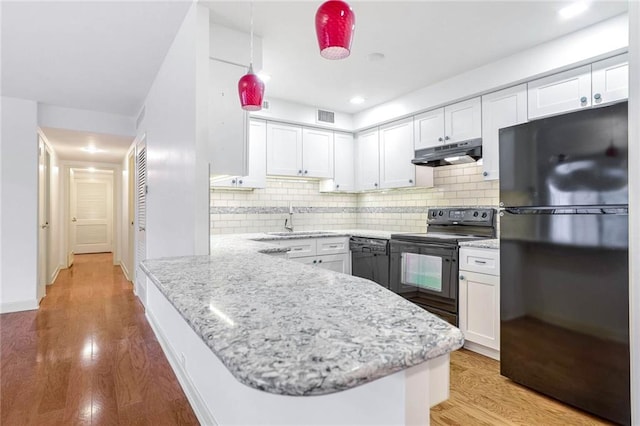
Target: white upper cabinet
(367,160)
(500,109)
(284,149)
(463,121)
(429,128)
(453,123)
(257,176)
(296,151)
(559,93)
(610,80)
(228,123)
(396,152)
(317,153)
(344,161)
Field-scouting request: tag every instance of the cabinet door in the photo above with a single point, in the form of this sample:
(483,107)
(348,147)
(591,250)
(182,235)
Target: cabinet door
(344,176)
(317,153)
(505,108)
(480,308)
(463,121)
(396,152)
(257,177)
(429,128)
(560,93)
(610,80)
(367,161)
(284,150)
(334,262)
(224,182)
(228,123)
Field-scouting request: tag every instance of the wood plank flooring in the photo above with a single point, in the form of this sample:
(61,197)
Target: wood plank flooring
(481,396)
(87,356)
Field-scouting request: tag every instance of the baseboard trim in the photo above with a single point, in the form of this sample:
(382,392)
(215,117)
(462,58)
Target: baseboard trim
(199,407)
(482,350)
(54,276)
(22,305)
(125,271)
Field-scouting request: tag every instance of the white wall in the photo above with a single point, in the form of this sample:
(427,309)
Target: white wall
(19,181)
(603,39)
(178,183)
(292,112)
(634,205)
(85,121)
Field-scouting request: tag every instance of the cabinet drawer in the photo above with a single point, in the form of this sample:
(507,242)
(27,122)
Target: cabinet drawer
(484,261)
(300,247)
(333,245)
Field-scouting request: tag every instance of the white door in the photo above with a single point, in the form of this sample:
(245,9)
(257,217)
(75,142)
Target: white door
(429,129)
(463,121)
(480,308)
(610,80)
(559,93)
(367,161)
(140,281)
(317,153)
(284,150)
(92,212)
(500,109)
(131,215)
(344,177)
(44,166)
(396,152)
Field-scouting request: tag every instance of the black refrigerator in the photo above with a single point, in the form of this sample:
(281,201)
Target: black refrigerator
(564,277)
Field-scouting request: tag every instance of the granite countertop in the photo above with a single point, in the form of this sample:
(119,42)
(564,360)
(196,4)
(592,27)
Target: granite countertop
(489,244)
(293,329)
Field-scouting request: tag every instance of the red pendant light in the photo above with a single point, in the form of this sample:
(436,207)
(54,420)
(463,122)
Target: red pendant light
(335,24)
(250,87)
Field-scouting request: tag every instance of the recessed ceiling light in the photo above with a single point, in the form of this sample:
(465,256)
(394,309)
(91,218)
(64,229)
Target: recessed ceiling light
(356,100)
(375,56)
(574,9)
(92,149)
(264,76)
(91,169)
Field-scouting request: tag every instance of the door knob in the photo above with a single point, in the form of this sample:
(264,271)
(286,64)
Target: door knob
(73,219)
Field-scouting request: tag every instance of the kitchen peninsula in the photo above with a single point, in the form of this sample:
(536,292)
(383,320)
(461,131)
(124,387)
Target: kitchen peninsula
(311,345)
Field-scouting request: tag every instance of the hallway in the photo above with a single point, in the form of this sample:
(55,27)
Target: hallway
(87,356)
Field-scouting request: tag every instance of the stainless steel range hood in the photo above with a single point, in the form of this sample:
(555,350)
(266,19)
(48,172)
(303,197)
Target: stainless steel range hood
(446,155)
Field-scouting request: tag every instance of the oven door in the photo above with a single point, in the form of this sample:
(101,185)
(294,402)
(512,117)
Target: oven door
(423,268)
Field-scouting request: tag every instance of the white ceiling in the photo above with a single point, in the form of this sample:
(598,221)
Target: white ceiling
(423,42)
(95,55)
(69,144)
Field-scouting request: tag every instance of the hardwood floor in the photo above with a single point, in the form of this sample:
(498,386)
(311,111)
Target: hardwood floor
(87,356)
(481,396)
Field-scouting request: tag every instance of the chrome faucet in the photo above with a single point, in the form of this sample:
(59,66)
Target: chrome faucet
(288,223)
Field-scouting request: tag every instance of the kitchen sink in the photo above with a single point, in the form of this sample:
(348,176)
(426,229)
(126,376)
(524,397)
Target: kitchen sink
(301,233)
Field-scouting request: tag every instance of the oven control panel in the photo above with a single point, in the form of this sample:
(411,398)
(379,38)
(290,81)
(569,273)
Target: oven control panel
(459,216)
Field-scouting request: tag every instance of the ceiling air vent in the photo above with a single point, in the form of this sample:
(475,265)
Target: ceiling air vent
(326,116)
(265,105)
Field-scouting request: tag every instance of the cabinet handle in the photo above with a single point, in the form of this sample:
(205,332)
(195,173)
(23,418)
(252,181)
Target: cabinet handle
(440,139)
(297,249)
(485,174)
(305,172)
(337,186)
(233,181)
(240,182)
(315,261)
(597,96)
(583,100)
(333,246)
(480,262)
(299,172)
(375,184)
(446,138)
(462,277)
(410,180)
(320,261)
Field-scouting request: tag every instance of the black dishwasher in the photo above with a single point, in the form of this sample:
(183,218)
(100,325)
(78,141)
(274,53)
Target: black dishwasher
(370,259)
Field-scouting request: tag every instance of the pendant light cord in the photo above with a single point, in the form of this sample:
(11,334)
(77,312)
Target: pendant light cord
(251,39)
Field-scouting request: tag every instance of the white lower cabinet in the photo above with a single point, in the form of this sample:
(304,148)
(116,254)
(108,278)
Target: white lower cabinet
(328,253)
(479,300)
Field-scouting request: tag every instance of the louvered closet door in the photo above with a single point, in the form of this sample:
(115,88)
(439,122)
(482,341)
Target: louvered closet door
(92,214)
(141,217)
